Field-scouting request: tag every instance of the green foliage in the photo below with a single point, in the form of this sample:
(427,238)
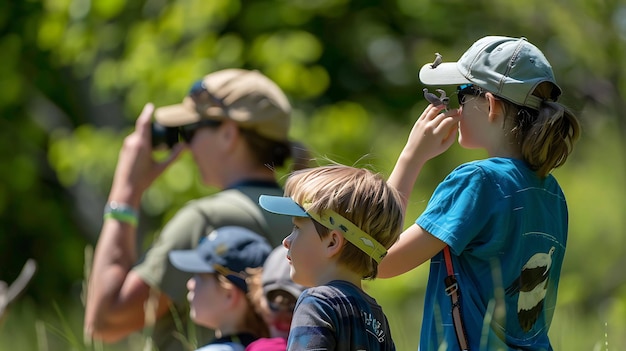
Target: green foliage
(75,74)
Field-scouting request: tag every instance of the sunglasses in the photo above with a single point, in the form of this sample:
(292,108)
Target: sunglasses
(281,301)
(468,89)
(188,131)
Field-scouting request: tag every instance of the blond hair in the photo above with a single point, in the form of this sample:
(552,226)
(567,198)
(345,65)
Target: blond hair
(361,196)
(546,136)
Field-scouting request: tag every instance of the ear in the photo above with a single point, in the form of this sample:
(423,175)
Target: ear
(229,133)
(495,107)
(233,294)
(334,243)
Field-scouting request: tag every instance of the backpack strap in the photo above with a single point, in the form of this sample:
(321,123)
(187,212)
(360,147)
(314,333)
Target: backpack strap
(452,290)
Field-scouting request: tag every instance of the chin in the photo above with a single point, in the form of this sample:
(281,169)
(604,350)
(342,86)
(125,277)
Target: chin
(206,181)
(466,144)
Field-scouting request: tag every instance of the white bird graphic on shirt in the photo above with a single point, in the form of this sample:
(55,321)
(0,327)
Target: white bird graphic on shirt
(532,286)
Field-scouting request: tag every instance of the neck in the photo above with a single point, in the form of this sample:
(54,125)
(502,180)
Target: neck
(256,174)
(234,321)
(507,149)
(339,272)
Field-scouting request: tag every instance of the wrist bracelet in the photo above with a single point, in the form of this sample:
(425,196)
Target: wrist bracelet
(120,212)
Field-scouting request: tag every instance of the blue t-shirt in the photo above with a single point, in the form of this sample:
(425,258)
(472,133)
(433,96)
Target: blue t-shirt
(338,316)
(507,231)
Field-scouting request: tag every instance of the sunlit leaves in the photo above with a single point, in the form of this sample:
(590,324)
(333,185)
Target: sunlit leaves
(228,51)
(193,17)
(287,45)
(51,31)
(327,7)
(87,153)
(172,189)
(341,131)
(105,9)
(286,57)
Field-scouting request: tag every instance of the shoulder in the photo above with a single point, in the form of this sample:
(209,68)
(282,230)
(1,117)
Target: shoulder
(333,288)
(213,207)
(497,166)
(243,199)
(213,199)
(483,167)
(491,171)
(335,295)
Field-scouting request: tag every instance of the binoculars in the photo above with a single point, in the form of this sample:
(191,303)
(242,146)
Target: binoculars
(164,137)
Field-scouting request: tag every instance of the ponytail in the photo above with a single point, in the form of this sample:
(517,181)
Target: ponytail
(546,136)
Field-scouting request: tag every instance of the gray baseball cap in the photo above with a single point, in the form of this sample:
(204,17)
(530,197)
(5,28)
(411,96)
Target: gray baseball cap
(276,274)
(510,68)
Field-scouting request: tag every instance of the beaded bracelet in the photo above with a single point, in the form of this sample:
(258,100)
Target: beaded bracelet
(121,212)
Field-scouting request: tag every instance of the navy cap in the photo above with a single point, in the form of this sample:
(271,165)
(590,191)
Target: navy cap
(228,251)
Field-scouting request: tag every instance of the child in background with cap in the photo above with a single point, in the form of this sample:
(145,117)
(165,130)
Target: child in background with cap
(495,230)
(275,294)
(344,219)
(218,291)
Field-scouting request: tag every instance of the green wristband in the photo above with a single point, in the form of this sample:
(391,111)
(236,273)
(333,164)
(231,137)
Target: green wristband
(120,212)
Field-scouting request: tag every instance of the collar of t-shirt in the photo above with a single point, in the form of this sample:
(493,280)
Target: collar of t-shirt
(254,183)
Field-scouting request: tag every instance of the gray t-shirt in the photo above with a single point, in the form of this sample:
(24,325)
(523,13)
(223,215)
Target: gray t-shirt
(237,206)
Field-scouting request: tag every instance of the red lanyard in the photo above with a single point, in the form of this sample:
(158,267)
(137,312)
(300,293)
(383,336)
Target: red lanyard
(452,290)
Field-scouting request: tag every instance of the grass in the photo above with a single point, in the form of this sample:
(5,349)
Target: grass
(573,328)
(28,327)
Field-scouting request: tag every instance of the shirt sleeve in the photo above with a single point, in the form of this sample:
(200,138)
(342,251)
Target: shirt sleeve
(312,326)
(460,206)
(182,232)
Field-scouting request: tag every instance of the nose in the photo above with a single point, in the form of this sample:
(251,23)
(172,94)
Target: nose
(287,241)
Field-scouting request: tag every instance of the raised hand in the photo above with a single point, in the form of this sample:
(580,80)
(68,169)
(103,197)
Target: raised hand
(432,134)
(136,167)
